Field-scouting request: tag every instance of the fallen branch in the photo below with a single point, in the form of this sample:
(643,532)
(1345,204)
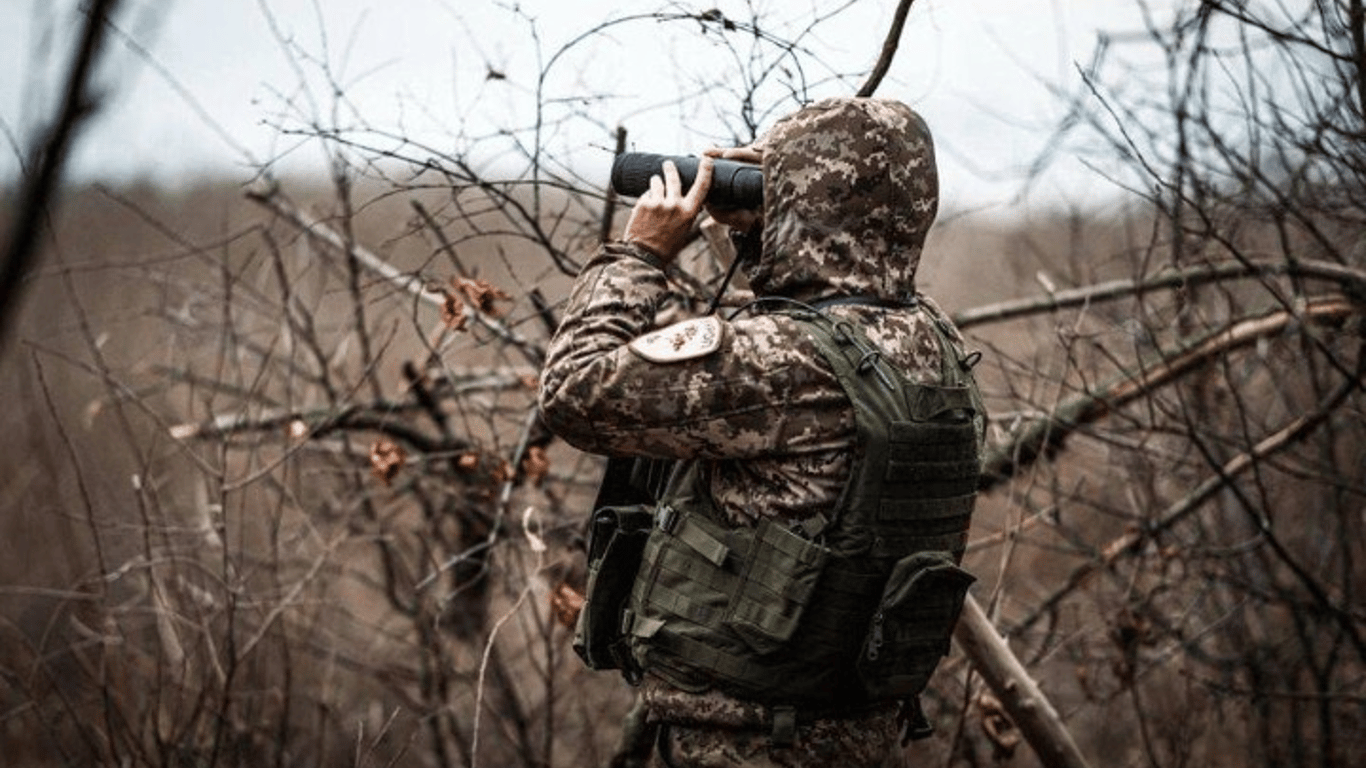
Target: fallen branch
(1028,708)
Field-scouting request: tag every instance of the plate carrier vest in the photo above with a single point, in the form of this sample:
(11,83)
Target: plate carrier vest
(840,611)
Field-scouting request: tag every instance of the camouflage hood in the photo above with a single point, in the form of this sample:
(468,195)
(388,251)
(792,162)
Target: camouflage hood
(850,192)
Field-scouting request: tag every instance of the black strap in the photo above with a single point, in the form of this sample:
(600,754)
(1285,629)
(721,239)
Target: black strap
(915,726)
(910,301)
(784,733)
(747,246)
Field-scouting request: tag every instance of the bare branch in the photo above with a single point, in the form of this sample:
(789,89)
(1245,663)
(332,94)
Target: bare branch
(1350,279)
(1131,541)
(47,160)
(889,47)
(413,284)
(1049,433)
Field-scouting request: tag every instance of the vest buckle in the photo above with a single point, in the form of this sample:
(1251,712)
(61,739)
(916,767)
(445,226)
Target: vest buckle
(667,519)
(784,733)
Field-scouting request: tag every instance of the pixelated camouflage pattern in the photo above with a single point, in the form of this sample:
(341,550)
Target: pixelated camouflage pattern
(766,397)
(765,410)
(714,731)
(848,183)
(868,742)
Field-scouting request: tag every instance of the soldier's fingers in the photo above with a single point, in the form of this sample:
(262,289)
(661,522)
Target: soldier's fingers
(673,185)
(701,185)
(747,154)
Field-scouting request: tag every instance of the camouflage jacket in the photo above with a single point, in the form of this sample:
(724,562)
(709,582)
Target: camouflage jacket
(850,193)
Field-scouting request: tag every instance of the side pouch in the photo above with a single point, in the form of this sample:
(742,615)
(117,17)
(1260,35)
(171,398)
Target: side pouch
(913,624)
(616,540)
(780,573)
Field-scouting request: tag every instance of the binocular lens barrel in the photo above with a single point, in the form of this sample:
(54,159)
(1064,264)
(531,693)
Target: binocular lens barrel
(733,184)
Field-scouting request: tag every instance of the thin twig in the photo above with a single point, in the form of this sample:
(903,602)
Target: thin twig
(488,653)
(609,205)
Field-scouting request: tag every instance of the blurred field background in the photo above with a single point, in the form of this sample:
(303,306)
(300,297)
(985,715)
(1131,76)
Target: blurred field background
(273,490)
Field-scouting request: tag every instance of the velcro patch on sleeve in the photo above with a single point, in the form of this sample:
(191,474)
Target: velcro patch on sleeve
(686,340)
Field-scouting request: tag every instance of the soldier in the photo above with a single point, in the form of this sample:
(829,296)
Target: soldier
(799,580)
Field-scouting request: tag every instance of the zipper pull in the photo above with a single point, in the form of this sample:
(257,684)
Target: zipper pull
(875,644)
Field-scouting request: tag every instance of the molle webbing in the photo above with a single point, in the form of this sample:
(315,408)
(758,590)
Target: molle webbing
(917,481)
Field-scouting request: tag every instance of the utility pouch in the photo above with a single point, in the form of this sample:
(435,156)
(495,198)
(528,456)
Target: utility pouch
(913,624)
(616,540)
(779,576)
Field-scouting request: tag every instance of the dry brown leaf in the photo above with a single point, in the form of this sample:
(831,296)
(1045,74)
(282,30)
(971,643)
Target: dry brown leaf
(386,459)
(482,294)
(567,603)
(453,311)
(999,728)
(536,464)
(503,472)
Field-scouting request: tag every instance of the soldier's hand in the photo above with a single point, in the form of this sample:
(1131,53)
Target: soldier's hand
(749,154)
(663,217)
(739,219)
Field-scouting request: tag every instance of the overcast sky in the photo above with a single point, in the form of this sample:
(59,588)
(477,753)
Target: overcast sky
(205,86)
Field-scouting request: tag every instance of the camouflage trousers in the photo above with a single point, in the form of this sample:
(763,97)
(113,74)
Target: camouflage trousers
(712,730)
(847,743)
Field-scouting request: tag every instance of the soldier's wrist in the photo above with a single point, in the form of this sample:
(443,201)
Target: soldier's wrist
(634,247)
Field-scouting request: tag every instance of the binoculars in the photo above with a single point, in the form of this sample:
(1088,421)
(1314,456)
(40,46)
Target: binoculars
(733,184)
